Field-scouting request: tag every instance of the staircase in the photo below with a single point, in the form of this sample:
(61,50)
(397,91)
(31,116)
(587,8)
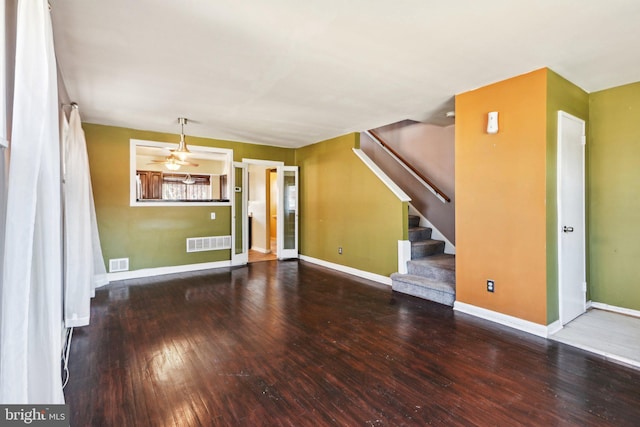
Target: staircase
(431,274)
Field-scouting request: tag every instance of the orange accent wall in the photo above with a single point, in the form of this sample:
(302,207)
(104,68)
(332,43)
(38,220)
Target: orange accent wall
(500,195)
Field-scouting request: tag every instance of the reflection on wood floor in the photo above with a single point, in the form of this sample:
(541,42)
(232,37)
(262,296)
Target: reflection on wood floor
(294,344)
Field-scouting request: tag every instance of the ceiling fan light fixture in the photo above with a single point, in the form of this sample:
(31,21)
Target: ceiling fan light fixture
(182,151)
(172,163)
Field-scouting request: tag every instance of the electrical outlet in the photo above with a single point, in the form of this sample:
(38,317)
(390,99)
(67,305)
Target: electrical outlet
(491,286)
(213,215)
(340,250)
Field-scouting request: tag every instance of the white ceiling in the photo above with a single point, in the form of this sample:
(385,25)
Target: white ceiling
(294,72)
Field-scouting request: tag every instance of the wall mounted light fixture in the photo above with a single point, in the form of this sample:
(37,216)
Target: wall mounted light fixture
(492,122)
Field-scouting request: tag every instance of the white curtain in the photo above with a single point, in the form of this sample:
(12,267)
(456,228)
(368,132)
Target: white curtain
(181,191)
(84,264)
(31,294)
(4,133)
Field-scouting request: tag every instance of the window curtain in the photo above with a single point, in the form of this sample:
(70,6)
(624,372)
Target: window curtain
(31,295)
(4,133)
(84,264)
(180,191)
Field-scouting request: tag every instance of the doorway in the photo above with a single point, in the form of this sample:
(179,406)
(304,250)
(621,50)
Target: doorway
(271,213)
(571,217)
(262,209)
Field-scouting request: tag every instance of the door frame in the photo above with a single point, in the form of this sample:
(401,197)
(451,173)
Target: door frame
(562,115)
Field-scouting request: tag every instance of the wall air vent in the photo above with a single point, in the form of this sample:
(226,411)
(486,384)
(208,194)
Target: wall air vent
(118,264)
(211,243)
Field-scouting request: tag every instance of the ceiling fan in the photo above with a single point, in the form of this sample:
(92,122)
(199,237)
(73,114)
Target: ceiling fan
(173,162)
(178,156)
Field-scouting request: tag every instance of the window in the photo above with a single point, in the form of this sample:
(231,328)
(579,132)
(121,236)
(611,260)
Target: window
(200,180)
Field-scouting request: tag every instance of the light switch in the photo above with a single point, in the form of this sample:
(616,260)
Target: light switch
(213,215)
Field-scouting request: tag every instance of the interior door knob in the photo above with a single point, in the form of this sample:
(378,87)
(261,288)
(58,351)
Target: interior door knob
(567,229)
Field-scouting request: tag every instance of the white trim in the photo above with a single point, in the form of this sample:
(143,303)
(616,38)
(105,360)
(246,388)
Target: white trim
(449,247)
(404,165)
(559,214)
(177,204)
(382,176)
(615,309)
(268,163)
(261,250)
(554,327)
(158,271)
(504,319)
(349,270)
(404,255)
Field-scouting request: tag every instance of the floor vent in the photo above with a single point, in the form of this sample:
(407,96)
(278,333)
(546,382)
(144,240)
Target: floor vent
(118,264)
(212,243)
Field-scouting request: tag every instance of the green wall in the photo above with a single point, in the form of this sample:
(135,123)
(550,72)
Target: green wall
(155,236)
(614,196)
(562,95)
(343,204)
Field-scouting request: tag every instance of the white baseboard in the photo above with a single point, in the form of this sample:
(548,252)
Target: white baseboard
(261,250)
(349,270)
(621,310)
(158,271)
(504,319)
(554,327)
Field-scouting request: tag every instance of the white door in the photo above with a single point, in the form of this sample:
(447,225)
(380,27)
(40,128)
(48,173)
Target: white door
(571,219)
(239,216)
(287,215)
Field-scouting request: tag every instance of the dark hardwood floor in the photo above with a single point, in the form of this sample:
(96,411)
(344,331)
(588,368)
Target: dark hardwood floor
(293,344)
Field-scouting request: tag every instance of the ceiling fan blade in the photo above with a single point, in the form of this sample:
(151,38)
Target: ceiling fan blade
(185,163)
